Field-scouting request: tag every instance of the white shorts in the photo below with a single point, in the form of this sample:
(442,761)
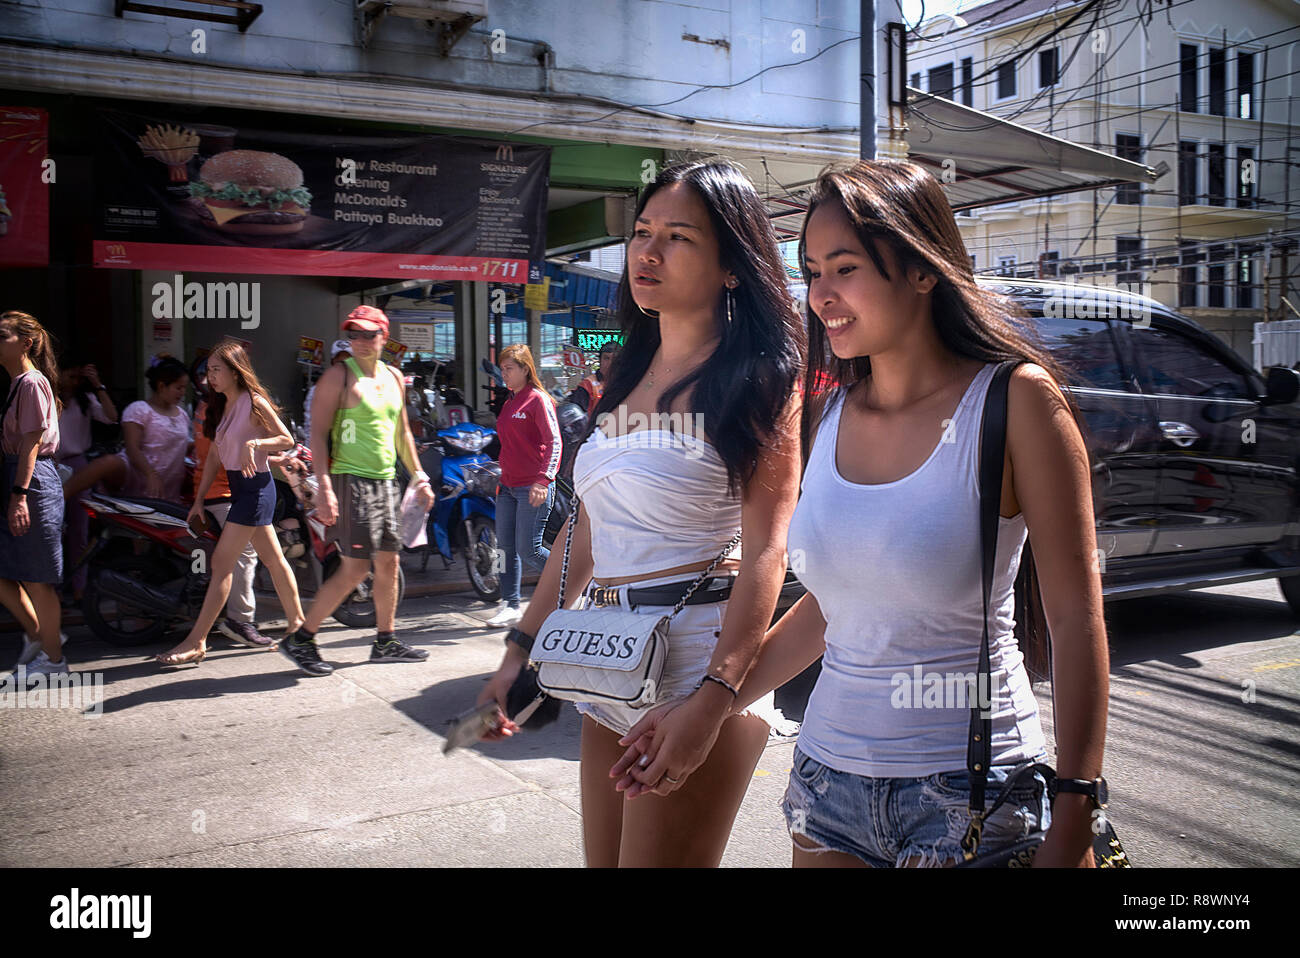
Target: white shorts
(692,637)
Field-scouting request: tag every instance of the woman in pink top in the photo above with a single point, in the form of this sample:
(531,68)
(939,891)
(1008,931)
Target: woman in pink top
(245,428)
(31,553)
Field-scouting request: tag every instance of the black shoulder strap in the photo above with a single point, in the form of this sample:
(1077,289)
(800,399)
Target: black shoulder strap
(993,441)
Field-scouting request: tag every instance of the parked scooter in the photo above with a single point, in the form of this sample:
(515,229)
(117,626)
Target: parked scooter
(463,519)
(134,598)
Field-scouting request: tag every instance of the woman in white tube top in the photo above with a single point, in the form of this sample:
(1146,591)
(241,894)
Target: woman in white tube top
(694,439)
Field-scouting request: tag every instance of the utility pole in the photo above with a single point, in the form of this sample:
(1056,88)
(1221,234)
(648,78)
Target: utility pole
(867,80)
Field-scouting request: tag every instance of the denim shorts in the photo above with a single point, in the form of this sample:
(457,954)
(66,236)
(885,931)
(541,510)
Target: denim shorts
(886,821)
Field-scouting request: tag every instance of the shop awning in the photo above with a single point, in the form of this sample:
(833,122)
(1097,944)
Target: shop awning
(997,161)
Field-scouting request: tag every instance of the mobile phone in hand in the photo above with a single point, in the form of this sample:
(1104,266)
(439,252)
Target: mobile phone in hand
(468,727)
(198,525)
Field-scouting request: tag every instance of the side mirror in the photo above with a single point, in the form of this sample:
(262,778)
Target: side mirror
(1281,385)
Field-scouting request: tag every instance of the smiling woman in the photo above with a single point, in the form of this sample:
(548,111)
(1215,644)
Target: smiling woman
(888,527)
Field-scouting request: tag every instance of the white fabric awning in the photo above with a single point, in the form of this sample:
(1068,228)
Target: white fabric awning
(997,161)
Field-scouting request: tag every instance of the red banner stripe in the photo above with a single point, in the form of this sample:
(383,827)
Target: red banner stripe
(109,254)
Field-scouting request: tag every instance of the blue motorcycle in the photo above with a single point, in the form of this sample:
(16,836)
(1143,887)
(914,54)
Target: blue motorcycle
(463,518)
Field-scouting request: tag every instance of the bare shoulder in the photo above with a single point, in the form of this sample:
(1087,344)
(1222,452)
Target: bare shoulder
(1038,414)
(333,376)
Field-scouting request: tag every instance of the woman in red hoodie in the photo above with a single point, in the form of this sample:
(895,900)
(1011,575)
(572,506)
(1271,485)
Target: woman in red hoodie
(530,456)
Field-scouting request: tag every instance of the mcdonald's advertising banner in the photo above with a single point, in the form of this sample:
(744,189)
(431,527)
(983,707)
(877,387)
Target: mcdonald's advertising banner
(25,174)
(179,195)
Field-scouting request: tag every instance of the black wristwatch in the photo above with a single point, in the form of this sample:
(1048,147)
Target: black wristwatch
(1095,789)
(521,639)
(19,490)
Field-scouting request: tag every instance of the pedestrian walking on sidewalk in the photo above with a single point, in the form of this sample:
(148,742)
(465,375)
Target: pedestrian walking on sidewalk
(530,455)
(359,415)
(245,428)
(713,348)
(31,497)
(239,624)
(888,526)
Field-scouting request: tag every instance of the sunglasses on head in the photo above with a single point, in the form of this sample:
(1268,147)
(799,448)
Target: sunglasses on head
(362,334)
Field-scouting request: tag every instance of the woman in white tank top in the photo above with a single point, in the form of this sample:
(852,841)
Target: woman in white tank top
(886,539)
(712,349)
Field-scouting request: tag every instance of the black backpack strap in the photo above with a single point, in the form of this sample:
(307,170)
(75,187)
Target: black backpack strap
(993,441)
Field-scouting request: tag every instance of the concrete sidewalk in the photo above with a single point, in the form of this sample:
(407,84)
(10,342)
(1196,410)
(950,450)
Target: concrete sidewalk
(245,761)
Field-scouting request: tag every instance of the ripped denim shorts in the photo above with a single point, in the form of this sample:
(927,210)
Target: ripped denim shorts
(887,821)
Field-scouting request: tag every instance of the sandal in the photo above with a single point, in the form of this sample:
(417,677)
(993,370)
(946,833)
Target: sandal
(193,656)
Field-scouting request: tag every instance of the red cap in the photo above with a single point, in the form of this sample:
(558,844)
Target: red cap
(367,318)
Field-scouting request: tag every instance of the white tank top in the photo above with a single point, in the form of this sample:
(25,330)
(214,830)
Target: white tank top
(654,500)
(895,568)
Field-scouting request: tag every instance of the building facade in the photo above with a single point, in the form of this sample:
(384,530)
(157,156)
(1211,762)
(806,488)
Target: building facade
(1201,90)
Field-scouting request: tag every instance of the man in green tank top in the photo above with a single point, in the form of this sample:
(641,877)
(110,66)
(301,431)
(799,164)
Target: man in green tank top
(359,405)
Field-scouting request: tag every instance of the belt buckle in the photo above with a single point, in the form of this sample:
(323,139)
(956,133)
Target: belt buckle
(605,595)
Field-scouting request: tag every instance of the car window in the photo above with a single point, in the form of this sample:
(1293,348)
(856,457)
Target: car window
(1086,349)
(1178,366)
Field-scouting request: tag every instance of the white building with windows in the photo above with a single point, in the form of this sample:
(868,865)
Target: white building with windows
(1201,90)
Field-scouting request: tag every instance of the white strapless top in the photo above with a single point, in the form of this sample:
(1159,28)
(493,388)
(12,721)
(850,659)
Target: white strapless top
(655,500)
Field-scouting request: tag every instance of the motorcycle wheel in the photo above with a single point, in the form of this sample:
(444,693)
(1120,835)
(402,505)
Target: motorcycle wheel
(480,559)
(129,625)
(358,609)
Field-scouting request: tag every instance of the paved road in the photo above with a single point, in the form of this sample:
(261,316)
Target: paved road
(245,761)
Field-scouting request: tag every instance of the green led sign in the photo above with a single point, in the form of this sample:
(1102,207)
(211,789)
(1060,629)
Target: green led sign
(591,340)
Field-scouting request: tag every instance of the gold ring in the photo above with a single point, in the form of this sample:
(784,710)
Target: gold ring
(670,778)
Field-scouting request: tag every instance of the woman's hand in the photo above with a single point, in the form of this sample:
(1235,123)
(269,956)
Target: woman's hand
(680,744)
(496,690)
(19,518)
(641,735)
(92,376)
(247,465)
(195,515)
(537,494)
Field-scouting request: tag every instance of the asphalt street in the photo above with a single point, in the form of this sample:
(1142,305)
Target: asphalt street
(245,761)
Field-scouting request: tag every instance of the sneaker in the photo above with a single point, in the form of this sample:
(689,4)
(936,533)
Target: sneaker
(41,665)
(245,633)
(394,651)
(32,648)
(506,617)
(305,655)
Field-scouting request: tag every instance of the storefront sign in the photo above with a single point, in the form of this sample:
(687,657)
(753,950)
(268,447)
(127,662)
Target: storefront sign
(538,295)
(183,195)
(393,351)
(311,352)
(574,359)
(26,177)
(417,336)
(591,340)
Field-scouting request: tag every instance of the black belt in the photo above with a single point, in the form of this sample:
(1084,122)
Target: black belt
(670,593)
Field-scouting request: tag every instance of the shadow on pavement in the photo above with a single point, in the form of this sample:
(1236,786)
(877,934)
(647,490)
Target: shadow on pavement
(438,704)
(1168,628)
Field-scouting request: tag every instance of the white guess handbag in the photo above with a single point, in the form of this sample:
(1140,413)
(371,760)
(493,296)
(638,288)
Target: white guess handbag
(606,655)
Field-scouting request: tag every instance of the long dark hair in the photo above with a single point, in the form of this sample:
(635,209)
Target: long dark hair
(235,358)
(745,385)
(41,351)
(901,206)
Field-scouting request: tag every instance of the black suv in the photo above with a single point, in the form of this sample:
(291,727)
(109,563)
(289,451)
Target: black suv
(1195,455)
